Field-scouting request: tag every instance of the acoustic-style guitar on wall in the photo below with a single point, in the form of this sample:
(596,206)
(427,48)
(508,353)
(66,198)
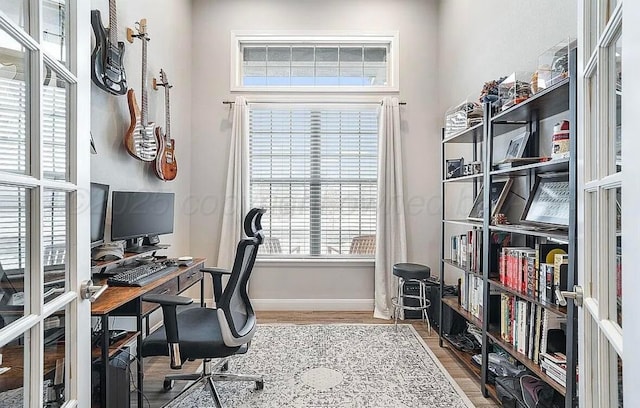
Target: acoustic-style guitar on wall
(166,167)
(139,139)
(107,70)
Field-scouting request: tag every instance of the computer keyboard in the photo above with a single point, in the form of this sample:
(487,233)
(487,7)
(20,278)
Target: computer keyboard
(141,275)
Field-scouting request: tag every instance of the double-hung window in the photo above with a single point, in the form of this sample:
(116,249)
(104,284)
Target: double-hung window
(314,167)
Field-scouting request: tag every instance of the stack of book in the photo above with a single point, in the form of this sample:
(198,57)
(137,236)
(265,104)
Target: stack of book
(471,295)
(538,273)
(555,366)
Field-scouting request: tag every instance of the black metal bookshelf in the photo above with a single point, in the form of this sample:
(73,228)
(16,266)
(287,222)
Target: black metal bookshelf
(559,98)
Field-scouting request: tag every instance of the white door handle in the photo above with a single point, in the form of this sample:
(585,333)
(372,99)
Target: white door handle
(90,291)
(577,295)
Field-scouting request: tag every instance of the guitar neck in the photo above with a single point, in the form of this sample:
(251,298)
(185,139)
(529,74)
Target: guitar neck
(113,23)
(167,112)
(144,81)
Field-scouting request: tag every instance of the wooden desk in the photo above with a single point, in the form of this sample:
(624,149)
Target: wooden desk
(127,301)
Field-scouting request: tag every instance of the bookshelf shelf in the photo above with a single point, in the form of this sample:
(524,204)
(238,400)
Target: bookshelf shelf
(465,359)
(475,279)
(452,302)
(551,166)
(471,177)
(561,311)
(546,103)
(474,134)
(556,235)
(462,268)
(533,367)
(470,223)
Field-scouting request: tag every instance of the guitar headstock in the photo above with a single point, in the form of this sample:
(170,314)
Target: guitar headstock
(164,80)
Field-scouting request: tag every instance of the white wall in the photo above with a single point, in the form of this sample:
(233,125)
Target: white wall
(169,23)
(416,21)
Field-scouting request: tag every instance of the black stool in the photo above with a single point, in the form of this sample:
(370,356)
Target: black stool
(410,272)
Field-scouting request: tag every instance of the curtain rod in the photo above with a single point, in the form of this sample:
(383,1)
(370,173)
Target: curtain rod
(232,102)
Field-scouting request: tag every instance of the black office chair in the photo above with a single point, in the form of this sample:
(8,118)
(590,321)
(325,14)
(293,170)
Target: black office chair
(205,333)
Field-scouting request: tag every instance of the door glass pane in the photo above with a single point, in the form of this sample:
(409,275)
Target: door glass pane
(14,227)
(591,244)
(54,360)
(12,374)
(615,261)
(55,29)
(54,241)
(617,80)
(17,11)
(14,105)
(619,397)
(591,167)
(55,142)
(611,6)
(592,27)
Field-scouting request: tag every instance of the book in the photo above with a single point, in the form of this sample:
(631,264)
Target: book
(560,272)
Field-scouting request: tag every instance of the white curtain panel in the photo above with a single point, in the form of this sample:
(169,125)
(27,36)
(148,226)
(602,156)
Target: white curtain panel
(391,235)
(237,190)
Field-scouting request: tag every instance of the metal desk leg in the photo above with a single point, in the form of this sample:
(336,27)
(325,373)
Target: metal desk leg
(139,354)
(104,378)
(202,303)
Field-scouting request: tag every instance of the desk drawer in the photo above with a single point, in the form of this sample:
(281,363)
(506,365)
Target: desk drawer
(167,288)
(189,278)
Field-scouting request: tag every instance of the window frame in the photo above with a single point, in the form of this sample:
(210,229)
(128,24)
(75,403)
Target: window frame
(389,39)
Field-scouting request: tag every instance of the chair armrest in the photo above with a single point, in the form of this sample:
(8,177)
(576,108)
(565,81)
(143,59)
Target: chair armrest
(216,271)
(216,278)
(167,299)
(170,317)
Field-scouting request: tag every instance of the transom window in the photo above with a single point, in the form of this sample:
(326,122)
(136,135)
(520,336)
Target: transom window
(315,63)
(315,169)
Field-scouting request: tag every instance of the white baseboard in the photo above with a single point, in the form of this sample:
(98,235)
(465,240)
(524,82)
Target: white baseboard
(313,304)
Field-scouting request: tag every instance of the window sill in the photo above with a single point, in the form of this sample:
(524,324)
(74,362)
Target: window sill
(316,262)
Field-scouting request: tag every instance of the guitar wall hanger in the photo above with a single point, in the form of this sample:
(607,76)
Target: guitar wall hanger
(155,84)
(140,28)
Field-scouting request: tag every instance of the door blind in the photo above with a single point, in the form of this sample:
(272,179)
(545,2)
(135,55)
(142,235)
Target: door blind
(14,202)
(315,170)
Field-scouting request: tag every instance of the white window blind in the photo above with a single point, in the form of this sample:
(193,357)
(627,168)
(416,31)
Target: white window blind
(315,170)
(14,150)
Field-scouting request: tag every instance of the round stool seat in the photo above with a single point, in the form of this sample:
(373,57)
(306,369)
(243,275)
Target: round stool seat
(408,271)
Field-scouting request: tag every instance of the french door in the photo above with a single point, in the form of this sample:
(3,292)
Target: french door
(602,218)
(44,203)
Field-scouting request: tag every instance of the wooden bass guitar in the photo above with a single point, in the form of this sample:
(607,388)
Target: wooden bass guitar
(166,167)
(139,139)
(107,58)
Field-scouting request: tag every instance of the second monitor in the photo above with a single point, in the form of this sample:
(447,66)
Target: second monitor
(136,215)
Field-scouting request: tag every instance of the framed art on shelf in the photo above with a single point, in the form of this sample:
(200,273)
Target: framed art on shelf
(548,203)
(454,167)
(498,193)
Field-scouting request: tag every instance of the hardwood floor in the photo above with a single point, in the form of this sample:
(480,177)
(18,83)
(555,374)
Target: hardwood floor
(156,368)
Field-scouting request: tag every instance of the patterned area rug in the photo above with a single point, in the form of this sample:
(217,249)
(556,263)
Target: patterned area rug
(337,366)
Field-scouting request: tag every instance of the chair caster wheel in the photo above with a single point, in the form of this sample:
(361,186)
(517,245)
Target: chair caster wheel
(259,385)
(168,385)
(225,367)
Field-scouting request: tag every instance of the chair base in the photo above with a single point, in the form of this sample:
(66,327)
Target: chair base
(209,375)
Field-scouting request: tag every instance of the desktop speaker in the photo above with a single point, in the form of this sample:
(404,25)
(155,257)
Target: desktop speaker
(119,378)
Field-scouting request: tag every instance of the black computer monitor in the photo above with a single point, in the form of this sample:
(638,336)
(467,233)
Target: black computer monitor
(135,215)
(98,203)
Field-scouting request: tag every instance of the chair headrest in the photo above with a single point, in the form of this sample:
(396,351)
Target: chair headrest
(252,224)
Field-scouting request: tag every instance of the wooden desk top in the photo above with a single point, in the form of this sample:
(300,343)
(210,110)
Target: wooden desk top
(116,296)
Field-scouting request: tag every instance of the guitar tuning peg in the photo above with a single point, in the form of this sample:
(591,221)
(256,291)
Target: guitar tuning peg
(130,35)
